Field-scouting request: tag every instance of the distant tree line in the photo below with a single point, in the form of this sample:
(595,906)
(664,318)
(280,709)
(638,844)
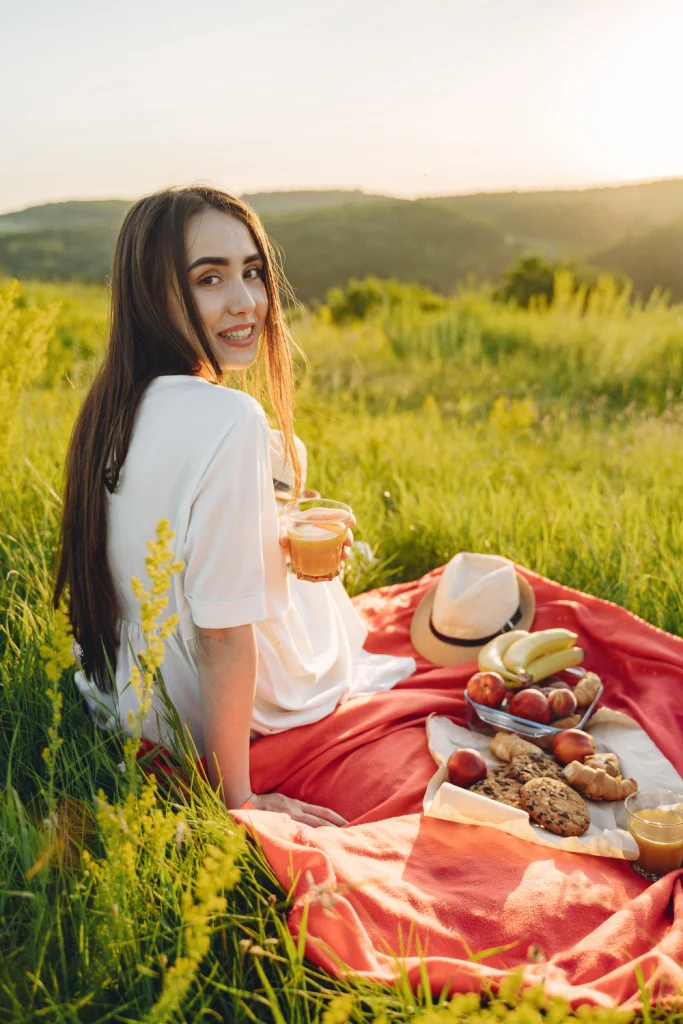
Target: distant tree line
(437,244)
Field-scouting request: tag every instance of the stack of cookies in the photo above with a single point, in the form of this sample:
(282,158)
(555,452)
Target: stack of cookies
(536,784)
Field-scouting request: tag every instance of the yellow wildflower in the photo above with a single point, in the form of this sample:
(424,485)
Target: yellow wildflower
(219,872)
(160,567)
(57,655)
(339,1010)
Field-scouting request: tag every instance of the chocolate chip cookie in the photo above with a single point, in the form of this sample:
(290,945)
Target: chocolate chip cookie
(498,786)
(525,767)
(555,806)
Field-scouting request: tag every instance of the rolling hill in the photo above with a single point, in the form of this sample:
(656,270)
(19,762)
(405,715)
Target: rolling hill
(324,241)
(105,214)
(108,214)
(652,259)
(329,236)
(579,222)
(412,241)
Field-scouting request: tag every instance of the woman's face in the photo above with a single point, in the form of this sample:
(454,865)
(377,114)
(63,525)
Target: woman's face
(225,274)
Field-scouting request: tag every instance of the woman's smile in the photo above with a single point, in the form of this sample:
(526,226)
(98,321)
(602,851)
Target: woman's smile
(240,336)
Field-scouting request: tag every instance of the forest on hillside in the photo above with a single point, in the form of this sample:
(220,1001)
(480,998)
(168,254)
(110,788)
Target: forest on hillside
(327,238)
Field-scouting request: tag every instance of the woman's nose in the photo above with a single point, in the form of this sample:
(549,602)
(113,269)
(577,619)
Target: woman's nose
(239,299)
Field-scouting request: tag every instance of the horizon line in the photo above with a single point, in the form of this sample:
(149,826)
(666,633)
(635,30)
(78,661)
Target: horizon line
(382,195)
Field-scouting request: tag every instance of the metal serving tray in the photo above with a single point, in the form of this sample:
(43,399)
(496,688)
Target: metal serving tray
(504,720)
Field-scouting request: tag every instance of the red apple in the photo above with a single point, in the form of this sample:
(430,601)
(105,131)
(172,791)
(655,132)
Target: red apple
(561,703)
(573,745)
(530,704)
(487,688)
(466,766)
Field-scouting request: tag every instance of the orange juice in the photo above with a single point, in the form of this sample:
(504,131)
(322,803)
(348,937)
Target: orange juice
(317,529)
(317,547)
(659,834)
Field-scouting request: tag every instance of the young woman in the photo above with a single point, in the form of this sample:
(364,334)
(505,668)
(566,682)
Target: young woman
(196,292)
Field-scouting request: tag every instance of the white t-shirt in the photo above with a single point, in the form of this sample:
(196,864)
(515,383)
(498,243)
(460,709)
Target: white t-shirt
(199,457)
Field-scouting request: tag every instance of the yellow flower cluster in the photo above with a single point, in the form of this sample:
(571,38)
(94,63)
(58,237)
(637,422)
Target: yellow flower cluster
(160,567)
(338,1010)
(54,740)
(25,334)
(57,656)
(139,840)
(514,1005)
(509,415)
(218,873)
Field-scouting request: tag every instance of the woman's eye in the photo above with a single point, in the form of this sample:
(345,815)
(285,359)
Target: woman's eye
(209,278)
(258,272)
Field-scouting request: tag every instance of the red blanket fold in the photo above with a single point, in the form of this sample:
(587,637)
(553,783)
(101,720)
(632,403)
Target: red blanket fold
(397,884)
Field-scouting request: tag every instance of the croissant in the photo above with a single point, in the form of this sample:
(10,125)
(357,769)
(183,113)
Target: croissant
(506,746)
(596,784)
(608,762)
(586,691)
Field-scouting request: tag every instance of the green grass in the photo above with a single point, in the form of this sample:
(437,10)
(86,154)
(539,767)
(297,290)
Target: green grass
(548,436)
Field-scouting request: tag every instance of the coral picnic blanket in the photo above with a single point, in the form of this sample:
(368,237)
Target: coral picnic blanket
(395,886)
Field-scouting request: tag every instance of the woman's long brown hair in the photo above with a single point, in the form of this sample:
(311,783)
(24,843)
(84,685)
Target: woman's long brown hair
(149,261)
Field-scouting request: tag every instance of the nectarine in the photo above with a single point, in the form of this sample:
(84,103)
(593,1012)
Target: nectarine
(573,745)
(487,688)
(466,766)
(561,703)
(530,704)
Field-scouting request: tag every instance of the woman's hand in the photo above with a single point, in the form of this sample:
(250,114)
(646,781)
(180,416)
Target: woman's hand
(309,814)
(346,550)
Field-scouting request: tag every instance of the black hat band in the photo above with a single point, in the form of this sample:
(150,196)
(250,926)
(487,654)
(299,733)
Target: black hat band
(456,642)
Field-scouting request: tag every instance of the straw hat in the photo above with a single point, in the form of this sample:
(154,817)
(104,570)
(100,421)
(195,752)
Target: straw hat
(477,597)
(283,471)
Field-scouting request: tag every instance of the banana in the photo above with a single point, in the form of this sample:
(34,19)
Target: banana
(536,645)
(491,654)
(558,661)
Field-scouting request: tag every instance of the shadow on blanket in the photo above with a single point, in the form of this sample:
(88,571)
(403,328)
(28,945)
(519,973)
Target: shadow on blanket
(395,882)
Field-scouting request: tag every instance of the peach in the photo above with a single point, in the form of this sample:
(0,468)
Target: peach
(487,688)
(466,766)
(561,703)
(530,704)
(573,745)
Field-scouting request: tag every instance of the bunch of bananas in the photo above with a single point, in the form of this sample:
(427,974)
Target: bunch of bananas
(523,658)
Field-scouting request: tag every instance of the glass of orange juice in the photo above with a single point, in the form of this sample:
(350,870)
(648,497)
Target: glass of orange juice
(655,820)
(317,528)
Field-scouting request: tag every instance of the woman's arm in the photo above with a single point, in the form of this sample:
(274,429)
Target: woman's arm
(227,683)
(227,660)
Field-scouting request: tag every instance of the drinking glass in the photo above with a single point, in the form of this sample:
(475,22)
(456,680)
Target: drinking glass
(317,529)
(655,820)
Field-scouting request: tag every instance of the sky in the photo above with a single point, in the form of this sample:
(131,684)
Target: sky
(404,97)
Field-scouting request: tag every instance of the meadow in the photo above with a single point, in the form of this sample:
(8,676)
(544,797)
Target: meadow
(552,435)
